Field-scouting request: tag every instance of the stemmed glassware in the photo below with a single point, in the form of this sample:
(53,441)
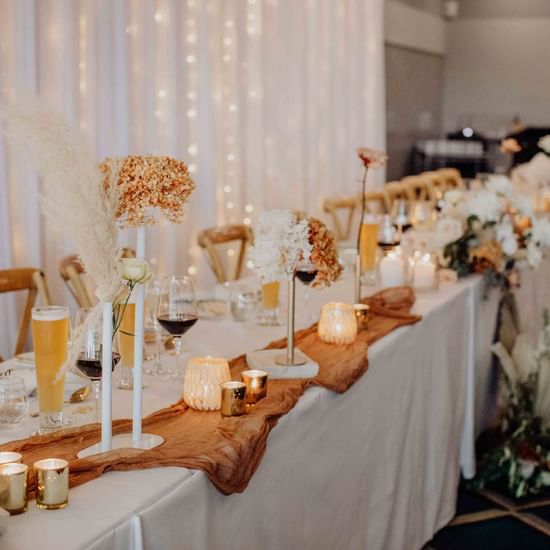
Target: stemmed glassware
(306,273)
(400,215)
(152,298)
(177,312)
(89,360)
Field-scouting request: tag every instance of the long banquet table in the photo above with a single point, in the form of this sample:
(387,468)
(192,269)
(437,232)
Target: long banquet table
(376,467)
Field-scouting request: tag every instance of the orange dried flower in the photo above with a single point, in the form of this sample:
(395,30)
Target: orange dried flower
(324,254)
(149,182)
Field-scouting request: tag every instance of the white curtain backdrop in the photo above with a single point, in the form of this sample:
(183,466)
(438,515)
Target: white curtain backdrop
(266,100)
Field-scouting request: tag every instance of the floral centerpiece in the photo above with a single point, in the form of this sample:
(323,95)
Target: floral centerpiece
(500,234)
(518,450)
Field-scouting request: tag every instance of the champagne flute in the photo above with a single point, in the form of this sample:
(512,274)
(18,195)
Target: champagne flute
(177,312)
(89,360)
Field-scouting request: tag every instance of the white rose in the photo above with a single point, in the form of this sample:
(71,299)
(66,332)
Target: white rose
(134,270)
(509,246)
(447,230)
(534,255)
(483,204)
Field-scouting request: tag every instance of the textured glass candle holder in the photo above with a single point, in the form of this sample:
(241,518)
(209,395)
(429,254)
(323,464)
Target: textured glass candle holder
(338,324)
(201,383)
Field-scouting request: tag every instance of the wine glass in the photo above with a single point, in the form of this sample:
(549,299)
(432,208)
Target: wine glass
(153,292)
(13,400)
(306,273)
(177,312)
(400,215)
(90,356)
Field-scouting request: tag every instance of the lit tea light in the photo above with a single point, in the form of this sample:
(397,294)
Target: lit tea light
(256,385)
(338,324)
(9,456)
(52,483)
(201,384)
(233,398)
(13,487)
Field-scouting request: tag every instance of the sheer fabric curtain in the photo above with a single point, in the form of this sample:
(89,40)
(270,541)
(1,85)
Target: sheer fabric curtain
(266,100)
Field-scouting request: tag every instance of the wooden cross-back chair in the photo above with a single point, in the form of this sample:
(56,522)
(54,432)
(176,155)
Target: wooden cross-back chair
(374,202)
(452,177)
(439,183)
(394,190)
(71,271)
(209,239)
(333,207)
(33,280)
(420,188)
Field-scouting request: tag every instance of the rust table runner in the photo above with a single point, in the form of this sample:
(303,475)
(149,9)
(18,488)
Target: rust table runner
(228,450)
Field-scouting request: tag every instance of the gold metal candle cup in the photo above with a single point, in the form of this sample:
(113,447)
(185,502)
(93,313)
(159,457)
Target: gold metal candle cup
(52,483)
(233,398)
(362,316)
(13,487)
(8,456)
(256,385)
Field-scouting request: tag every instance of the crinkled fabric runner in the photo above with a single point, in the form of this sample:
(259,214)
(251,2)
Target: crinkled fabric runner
(228,450)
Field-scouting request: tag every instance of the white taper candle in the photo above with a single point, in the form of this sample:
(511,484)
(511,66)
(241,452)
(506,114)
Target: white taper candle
(106,376)
(138,342)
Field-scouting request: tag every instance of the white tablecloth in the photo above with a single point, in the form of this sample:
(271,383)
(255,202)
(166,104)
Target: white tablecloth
(376,467)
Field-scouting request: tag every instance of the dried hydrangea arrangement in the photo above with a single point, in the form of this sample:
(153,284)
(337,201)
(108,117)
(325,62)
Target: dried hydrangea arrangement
(280,243)
(148,182)
(324,254)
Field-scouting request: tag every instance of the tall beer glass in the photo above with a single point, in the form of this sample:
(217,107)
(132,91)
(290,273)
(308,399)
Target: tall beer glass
(50,334)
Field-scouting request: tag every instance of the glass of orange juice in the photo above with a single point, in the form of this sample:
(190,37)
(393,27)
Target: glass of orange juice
(269,311)
(51,327)
(368,245)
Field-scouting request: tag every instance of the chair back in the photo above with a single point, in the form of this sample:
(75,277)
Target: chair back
(452,177)
(438,182)
(71,270)
(374,202)
(209,239)
(420,188)
(33,280)
(394,190)
(335,207)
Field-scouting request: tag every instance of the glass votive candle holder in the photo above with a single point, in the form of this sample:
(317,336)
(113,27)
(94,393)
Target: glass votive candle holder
(338,324)
(362,316)
(10,456)
(256,385)
(13,487)
(52,483)
(233,398)
(423,271)
(201,384)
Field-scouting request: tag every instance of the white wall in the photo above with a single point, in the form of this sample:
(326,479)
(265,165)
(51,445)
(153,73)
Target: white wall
(496,67)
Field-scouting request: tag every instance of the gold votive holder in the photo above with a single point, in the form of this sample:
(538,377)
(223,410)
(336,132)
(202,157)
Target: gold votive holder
(256,385)
(10,456)
(233,398)
(201,384)
(362,316)
(52,483)
(13,487)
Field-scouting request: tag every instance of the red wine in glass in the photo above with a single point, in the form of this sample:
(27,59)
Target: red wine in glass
(179,324)
(91,366)
(307,277)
